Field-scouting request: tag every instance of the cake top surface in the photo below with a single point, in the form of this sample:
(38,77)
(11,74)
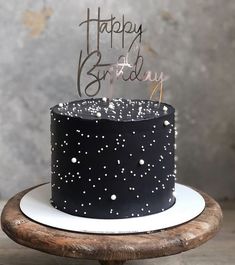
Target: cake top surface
(117,109)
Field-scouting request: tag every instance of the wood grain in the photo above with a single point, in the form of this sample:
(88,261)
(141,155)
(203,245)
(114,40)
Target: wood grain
(111,262)
(110,249)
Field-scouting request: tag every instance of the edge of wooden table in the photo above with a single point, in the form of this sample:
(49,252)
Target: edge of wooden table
(102,247)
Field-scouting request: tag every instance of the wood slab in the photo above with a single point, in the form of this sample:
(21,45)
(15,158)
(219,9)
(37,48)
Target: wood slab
(110,249)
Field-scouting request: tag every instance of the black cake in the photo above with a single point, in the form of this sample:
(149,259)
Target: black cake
(112,158)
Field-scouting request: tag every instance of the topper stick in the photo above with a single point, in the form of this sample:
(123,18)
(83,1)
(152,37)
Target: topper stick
(156,89)
(111,81)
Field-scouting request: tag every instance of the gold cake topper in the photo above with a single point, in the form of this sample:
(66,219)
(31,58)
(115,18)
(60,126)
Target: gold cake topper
(93,66)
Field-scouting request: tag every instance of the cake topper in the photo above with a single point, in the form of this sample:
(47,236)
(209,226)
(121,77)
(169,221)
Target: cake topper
(92,64)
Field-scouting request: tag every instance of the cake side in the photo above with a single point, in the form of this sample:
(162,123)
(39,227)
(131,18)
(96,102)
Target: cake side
(112,159)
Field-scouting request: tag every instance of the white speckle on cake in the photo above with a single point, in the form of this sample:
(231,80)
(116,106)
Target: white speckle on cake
(141,162)
(74,160)
(165,108)
(98,114)
(111,105)
(166,123)
(113,197)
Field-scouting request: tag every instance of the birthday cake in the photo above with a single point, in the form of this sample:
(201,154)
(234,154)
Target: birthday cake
(112,158)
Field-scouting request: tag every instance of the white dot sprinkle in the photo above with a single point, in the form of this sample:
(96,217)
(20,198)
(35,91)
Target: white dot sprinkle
(165,108)
(113,197)
(98,114)
(166,123)
(74,160)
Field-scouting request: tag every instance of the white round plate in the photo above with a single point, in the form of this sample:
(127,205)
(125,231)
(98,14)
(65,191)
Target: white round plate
(36,205)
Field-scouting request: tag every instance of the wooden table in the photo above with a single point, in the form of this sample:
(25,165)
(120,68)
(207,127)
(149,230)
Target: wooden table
(110,249)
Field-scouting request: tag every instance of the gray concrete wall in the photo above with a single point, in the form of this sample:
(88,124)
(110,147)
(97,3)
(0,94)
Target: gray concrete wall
(191,41)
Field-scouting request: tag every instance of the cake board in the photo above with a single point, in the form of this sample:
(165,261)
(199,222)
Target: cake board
(36,205)
(110,249)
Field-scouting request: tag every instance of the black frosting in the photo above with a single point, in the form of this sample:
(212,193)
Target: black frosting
(112,158)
